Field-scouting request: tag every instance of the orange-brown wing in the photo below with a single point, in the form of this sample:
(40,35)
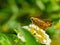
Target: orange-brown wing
(42,24)
(48,22)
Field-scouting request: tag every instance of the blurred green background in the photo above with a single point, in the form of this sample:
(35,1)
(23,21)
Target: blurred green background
(14,12)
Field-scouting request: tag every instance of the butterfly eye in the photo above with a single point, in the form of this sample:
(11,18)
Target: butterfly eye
(31,18)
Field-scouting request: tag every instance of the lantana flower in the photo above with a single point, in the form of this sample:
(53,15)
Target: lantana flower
(38,33)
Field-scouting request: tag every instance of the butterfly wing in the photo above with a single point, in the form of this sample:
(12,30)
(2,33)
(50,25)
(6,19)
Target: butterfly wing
(41,23)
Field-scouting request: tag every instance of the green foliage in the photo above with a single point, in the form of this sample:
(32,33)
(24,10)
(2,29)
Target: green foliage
(4,40)
(9,39)
(13,12)
(51,31)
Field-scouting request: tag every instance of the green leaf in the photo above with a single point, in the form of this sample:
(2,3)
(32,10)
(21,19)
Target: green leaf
(53,8)
(4,40)
(10,39)
(51,31)
(45,1)
(40,4)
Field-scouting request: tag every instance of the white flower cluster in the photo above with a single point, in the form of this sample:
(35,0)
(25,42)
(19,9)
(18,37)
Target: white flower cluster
(21,37)
(38,33)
